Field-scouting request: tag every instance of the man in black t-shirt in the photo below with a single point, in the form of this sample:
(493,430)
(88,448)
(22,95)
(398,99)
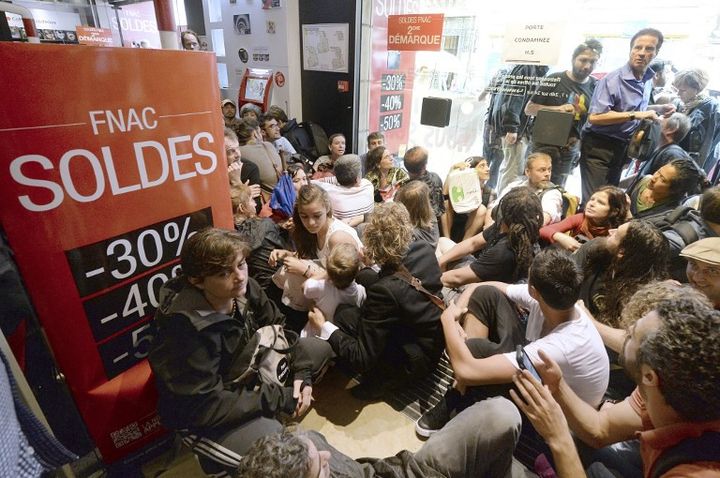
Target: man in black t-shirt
(568,91)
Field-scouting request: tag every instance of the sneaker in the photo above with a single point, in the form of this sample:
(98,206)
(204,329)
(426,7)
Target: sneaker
(434,419)
(438,416)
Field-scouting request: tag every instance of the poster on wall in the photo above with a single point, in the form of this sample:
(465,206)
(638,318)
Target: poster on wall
(97,198)
(242,24)
(326,47)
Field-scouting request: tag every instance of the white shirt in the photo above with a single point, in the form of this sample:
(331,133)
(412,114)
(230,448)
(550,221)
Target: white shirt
(327,297)
(348,202)
(575,345)
(551,200)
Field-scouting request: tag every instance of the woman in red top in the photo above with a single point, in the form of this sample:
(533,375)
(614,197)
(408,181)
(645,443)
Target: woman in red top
(606,209)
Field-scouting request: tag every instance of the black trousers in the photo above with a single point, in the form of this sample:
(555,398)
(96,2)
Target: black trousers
(601,161)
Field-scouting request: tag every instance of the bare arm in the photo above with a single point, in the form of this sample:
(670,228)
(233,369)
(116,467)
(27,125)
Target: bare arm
(612,338)
(458,277)
(462,249)
(341,237)
(617,117)
(613,424)
(531,109)
(354,221)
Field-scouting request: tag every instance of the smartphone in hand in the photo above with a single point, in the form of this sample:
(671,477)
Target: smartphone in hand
(524,363)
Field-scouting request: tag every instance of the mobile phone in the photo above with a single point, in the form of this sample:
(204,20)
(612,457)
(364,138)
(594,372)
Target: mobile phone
(525,363)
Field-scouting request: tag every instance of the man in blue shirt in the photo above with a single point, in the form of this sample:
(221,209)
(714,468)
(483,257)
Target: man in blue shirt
(620,100)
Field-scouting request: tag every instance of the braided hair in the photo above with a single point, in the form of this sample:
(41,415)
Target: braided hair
(520,210)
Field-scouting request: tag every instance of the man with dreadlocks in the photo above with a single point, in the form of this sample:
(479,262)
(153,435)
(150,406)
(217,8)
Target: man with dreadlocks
(486,361)
(504,251)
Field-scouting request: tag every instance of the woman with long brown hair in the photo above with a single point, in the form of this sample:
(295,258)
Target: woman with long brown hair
(606,209)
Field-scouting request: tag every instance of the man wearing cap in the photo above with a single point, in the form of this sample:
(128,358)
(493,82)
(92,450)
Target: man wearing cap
(703,267)
(352,198)
(228,110)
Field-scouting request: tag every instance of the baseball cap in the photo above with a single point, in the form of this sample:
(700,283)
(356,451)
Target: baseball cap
(224,102)
(705,250)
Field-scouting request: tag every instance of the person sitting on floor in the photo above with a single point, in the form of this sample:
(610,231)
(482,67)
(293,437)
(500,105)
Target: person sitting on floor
(478,442)
(396,336)
(414,196)
(206,318)
(352,197)
(607,209)
(502,252)
(384,176)
(538,169)
(615,266)
(653,196)
(488,316)
(463,226)
(415,162)
(673,355)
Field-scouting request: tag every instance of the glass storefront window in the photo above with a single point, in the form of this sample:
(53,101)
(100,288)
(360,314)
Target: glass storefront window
(471,54)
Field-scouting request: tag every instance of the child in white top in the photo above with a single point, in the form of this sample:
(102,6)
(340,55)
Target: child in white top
(342,265)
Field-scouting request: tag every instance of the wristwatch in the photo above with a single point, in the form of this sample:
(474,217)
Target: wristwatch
(632,117)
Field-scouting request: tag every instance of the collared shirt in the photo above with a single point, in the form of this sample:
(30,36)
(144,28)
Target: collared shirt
(620,91)
(654,441)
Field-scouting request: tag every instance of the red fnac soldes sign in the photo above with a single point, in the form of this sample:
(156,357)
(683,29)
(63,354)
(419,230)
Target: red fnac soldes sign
(415,32)
(106,172)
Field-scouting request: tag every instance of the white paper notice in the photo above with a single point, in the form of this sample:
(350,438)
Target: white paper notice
(533,43)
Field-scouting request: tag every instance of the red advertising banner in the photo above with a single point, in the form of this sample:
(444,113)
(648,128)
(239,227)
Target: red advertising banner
(94,36)
(415,32)
(391,75)
(97,196)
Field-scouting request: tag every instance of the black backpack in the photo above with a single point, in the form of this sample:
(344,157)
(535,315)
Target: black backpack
(308,139)
(680,220)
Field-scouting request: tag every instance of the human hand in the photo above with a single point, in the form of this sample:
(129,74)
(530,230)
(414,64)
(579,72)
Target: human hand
(549,371)
(566,242)
(567,108)
(277,256)
(257,136)
(540,407)
(453,313)
(254,189)
(510,138)
(234,166)
(667,109)
(304,398)
(649,114)
(297,266)
(316,318)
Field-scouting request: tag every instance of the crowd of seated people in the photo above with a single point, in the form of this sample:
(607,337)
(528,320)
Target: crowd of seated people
(361,265)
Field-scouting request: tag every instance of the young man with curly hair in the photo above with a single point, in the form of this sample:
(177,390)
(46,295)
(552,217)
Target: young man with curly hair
(673,354)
